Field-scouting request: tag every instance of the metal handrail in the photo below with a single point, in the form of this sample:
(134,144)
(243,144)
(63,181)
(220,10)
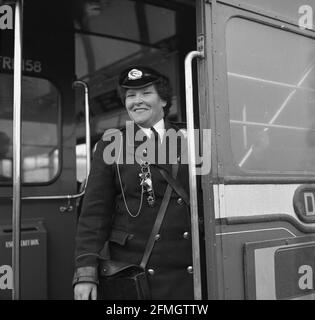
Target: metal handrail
(88,153)
(88,156)
(17,94)
(192,173)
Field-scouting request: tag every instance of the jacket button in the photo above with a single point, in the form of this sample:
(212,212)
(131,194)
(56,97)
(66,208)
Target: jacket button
(157,237)
(190,269)
(186,235)
(151,272)
(180,201)
(130,236)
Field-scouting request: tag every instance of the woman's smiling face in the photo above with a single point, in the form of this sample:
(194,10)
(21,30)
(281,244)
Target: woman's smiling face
(144,106)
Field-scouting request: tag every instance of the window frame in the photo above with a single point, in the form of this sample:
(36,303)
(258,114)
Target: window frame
(226,170)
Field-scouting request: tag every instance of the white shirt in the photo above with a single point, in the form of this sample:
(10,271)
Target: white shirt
(159,127)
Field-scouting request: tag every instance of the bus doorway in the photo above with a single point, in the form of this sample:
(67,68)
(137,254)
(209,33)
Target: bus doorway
(90,41)
(157,34)
(154,33)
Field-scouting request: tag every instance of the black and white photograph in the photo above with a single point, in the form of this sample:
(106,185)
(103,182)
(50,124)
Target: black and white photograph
(157,155)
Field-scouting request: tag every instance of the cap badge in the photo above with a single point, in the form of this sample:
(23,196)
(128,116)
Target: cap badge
(134,74)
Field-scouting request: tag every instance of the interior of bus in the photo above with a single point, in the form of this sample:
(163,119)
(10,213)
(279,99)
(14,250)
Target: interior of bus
(108,36)
(154,33)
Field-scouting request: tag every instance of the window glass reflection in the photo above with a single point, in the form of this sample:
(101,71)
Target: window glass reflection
(40,107)
(271,83)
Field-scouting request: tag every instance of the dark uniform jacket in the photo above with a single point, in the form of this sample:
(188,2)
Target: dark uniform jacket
(105,217)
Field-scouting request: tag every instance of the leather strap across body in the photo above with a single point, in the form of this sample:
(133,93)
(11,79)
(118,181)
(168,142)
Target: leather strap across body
(159,220)
(175,184)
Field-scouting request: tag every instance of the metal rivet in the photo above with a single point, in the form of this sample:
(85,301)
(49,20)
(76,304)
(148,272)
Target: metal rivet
(190,269)
(186,235)
(180,201)
(151,272)
(157,237)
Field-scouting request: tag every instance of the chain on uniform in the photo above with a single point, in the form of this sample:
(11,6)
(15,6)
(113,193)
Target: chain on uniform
(122,189)
(146,182)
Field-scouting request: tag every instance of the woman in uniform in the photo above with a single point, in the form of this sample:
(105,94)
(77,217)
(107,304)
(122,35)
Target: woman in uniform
(115,208)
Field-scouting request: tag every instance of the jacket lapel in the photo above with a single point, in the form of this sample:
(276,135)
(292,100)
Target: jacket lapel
(135,137)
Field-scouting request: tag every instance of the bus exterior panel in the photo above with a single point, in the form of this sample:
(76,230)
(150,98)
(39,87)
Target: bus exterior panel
(262,164)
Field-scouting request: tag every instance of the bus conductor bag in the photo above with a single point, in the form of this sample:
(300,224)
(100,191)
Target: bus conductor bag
(122,281)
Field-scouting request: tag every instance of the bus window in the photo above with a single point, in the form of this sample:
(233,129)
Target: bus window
(81,162)
(40,120)
(271,77)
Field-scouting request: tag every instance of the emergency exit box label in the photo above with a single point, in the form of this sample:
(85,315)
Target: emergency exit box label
(33,261)
(294,271)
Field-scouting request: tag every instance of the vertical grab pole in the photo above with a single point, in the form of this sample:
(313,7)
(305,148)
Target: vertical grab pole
(17,94)
(192,172)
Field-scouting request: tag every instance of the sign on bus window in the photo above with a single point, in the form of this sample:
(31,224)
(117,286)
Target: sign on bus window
(271,85)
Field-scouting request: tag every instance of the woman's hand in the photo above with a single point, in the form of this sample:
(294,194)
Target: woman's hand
(85,291)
